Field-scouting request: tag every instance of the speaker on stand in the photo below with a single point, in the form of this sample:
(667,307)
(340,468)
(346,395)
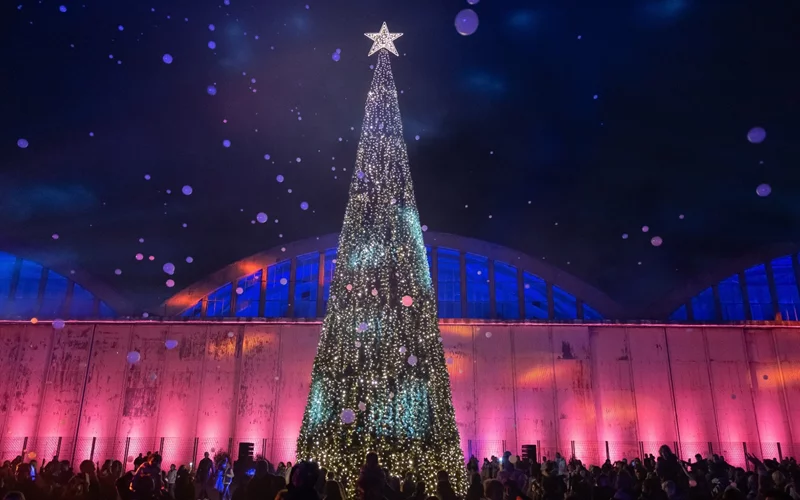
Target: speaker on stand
(529,452)
(244,465)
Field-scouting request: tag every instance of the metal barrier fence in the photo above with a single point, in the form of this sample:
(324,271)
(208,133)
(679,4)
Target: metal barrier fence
(182,450)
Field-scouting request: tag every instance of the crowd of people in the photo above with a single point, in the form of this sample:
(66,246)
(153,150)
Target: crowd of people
(509,477)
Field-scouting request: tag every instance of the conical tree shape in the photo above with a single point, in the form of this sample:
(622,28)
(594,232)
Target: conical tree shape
(380,358)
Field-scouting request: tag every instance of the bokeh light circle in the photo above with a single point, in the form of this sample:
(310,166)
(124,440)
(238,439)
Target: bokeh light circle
(466,22)
(763,190)
(756,135)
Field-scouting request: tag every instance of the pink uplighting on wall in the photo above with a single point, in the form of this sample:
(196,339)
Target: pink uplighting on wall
(594,391)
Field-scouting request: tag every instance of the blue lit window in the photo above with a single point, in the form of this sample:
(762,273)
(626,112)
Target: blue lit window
(679,314)
(306,285)
(7,263)
(477,286)
(786,287)
(330,267)
(194,311)
(449,267)
(55,294)
(82,305)
(535,297)
(565,304)
(506,291)
(27,294)
(730,299)
(758,293)
(703,308)
(219,302)
(277,303)
(247,301)
(105,311)
(590,313)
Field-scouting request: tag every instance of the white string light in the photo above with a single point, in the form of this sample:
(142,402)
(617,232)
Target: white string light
(407,416)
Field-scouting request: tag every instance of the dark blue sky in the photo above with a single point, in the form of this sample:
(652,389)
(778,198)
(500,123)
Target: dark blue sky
(506,118)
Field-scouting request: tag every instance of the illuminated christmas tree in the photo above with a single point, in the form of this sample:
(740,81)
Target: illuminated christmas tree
(379,381)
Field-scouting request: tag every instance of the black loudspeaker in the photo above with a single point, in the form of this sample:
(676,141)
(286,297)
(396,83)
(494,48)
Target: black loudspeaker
(529,452)
(244,466)
(246,451)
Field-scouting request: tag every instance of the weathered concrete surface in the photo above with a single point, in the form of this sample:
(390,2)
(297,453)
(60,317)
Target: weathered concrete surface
(568,388)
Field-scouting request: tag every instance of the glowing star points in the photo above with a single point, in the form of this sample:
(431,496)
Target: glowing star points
(383,40)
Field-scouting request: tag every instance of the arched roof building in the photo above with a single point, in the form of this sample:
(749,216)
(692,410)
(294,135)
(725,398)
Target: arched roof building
(748,289)
(473,279)
(30,289)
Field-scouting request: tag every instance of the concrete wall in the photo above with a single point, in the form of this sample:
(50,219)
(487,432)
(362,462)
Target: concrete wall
(590,390)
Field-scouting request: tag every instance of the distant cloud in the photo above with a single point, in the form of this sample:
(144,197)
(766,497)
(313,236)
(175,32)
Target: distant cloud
(485,82)
(664,9)
(23,202)
(522,19)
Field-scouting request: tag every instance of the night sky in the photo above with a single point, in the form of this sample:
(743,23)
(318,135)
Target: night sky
(569,123)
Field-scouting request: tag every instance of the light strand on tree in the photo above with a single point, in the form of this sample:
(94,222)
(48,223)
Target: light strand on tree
(380,381)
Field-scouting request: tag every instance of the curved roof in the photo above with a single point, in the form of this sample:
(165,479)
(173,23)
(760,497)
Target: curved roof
(45,289)
(506,268)
(757,287)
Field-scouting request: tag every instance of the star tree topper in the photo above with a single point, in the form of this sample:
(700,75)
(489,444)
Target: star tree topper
(383,40)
